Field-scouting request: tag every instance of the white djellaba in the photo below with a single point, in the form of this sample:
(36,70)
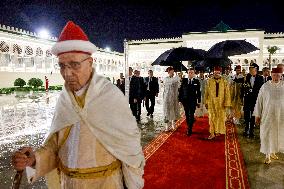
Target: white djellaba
(270,108)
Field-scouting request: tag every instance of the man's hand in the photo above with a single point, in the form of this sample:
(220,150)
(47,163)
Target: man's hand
(23,158)
(135,100)
(257,121)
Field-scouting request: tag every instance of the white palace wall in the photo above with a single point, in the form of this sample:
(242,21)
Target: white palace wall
(24,54)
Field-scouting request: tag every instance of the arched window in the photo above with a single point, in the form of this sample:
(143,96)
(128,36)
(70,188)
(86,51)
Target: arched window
(39,52)
(48,53)
(4,47)
(28,50)
(17,49)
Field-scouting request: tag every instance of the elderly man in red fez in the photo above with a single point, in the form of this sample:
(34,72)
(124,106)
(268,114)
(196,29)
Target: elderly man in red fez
(269,114)
(217,100)
(94,141)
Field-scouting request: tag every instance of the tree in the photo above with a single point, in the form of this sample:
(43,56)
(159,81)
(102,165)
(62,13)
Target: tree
(271,50)
(35,82)
(19,82)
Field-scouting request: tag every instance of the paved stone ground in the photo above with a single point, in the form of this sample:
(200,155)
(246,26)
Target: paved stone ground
(261,176)
(24,120)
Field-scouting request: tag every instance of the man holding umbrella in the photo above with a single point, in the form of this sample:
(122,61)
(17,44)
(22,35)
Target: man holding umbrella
(190,97)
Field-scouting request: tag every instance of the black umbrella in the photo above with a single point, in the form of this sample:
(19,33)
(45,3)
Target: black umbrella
(227,48)
(209,63)
(170,57)
(179,68)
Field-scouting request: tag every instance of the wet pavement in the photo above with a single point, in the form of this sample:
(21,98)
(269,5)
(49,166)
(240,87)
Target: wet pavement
(25,120)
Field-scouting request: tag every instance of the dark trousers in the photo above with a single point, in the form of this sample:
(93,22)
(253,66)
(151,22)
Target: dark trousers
(189,110)
(136,109)
(250,122)
(150,98)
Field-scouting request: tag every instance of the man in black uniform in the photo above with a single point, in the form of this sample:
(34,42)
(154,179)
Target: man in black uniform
(190,97)
(120,83)
(152,91)
(250,89)
(266,74)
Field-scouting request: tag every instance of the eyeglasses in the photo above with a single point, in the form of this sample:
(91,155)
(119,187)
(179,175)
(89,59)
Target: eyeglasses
(71,65)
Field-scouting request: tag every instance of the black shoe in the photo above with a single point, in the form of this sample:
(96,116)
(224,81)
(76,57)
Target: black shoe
(251,136)
(189,133)
(151,116)
(148,114)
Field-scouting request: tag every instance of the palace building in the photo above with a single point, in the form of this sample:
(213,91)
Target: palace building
(25,54)
(141,53)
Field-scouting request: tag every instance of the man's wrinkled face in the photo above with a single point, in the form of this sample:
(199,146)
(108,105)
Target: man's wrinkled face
(191,73)
(265,72)
(253,71)
(171,73)
(76,69)
(217,73)
(238,71)
(276,77)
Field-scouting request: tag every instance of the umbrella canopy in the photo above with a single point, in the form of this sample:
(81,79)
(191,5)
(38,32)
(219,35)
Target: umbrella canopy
(170,57)
(209,63)
(179,68)
(227,48)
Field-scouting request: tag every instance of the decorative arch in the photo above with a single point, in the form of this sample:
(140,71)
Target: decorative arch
(4,47)
(39,52)
(48,53)
(17,49)
(29,51)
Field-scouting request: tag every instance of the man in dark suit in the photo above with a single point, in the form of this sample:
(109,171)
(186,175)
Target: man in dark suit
(120,83)
(152,91)
(266,74)
(136,94)
(190,97)
(250,89)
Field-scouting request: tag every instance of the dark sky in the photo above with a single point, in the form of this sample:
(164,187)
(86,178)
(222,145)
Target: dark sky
(108,22)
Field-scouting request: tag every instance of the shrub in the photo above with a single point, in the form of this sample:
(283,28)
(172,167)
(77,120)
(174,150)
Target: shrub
(35,82)
(19,82)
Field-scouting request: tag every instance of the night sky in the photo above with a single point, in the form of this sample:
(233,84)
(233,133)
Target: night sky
(108,22)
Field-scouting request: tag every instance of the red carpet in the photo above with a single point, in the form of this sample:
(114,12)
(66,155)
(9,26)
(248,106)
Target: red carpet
(175,160)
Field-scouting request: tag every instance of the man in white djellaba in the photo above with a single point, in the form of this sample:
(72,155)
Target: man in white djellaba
(170,99)
(269,114)
(94,141)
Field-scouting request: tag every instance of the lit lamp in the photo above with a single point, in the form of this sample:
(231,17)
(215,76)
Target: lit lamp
(44,34)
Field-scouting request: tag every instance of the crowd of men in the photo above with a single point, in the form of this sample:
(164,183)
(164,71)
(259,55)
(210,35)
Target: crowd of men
(224,97)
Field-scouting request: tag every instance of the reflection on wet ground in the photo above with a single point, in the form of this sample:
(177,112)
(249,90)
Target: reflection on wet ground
(26,118)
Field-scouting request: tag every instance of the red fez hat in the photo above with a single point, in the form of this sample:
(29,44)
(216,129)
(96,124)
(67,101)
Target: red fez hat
(238,67)
(277,70)
(217,68)
(73,39)
(169,69)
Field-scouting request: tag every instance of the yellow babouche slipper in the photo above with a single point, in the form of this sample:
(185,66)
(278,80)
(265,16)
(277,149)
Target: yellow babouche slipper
(267,161)
(273,156)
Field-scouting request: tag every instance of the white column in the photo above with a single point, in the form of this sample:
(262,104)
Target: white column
(126,68)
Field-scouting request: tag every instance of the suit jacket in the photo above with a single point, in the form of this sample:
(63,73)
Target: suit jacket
(136,88)
(267,79)
(153,85)
(189,93)
(250,93)
(121,85)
